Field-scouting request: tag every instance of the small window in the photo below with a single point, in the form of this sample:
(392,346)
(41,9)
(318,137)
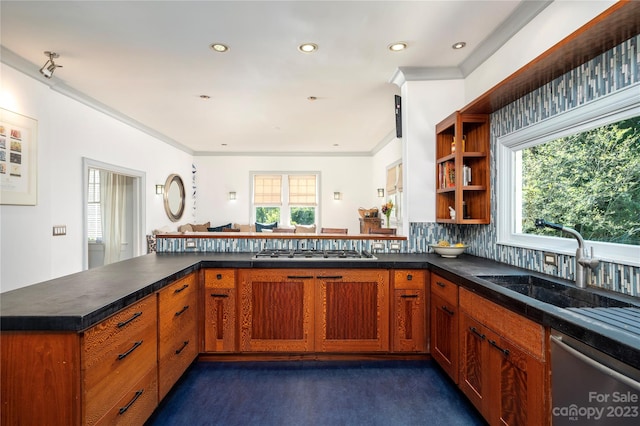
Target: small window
(288,199)
(94,218)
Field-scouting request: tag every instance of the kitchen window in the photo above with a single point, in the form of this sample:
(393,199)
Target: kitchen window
(288,198)
(580,169)
(94,215)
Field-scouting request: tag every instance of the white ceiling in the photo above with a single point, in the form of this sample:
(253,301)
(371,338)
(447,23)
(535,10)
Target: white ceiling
(148,62)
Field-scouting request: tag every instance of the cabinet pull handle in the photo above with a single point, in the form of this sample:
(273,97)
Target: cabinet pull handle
(299,277)
(219,295)
(447,310)
(122,410)
(134,316)
(441,284)
(184,345)
(493,343)
(181,311)
(219,276)
(409,296)
(477,333)
(329,277)
(409,277)
(178,290)
(133,348)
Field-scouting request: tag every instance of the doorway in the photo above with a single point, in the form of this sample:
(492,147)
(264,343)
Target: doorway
(113,213)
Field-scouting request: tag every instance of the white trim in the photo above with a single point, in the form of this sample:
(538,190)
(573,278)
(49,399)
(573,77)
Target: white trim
(614,107)
(139,205)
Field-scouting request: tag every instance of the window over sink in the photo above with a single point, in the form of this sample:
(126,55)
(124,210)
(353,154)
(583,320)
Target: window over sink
(581,169)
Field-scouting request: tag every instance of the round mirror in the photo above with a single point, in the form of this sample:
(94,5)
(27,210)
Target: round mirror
(174,197)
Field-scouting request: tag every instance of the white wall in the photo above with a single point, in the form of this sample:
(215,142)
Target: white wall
(68,131)
(217,175)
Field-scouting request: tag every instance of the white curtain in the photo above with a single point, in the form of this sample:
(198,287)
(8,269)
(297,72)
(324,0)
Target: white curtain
(113,190)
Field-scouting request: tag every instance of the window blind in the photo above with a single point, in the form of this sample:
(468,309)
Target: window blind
(302,190)
(267,189)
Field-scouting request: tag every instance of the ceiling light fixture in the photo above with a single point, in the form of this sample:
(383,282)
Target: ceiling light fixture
(312,98)
(459,45)
(397,46)
(308,47)
(49,67)
(205,97)
(219,47)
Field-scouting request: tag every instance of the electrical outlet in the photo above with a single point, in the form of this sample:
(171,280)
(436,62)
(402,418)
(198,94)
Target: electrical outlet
(378,246)
(394,246)
(59,230)
(190,244)
(550,259)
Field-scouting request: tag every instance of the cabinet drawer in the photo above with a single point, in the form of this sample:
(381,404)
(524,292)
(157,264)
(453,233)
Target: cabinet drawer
(220,278)
(177,296)
(136,405)
(115,354)
(178,353)
(409,279)
(444,288)
(525,333)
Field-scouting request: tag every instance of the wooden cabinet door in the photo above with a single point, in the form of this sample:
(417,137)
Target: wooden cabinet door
(519,398)
(444,335)
(352,311)
(277,310)
(409,312)
(220,310)
(475,378)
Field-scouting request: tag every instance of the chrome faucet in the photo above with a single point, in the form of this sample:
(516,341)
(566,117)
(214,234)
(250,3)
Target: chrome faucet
(584,258)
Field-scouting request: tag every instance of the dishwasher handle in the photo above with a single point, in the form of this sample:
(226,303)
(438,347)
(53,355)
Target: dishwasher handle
(595,364)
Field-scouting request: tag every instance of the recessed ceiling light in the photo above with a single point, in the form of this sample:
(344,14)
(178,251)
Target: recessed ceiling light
(397,46)
(312,98)
(459,45)
(218,47)
(308,47)
(205,97)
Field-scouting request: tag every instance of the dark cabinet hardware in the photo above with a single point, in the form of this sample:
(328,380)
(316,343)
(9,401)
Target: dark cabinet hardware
(299,277)
(178,290)
(219,295)
(134,316)
(181,311)
(409,277)
(477,333)
(184,345)
(133,348)
(329,277)
(219,276)
(447,310)
(493,343)
(441,284)
(409,296)
(122,410)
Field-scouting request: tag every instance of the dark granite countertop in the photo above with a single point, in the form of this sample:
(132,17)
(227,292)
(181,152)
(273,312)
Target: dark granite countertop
(78,301)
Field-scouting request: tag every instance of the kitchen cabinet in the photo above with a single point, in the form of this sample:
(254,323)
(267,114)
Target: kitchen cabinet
(444,324)
(177,331)
(502,363)
(276,310)
(104,375)
(462,169)
(410,327)
(352,310)
(220,310)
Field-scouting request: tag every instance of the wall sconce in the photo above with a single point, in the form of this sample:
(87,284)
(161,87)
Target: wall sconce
(232,195)
(381,192)
(337,196)
(49,67)
(159,189)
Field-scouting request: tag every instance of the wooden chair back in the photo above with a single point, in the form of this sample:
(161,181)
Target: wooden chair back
(334,230)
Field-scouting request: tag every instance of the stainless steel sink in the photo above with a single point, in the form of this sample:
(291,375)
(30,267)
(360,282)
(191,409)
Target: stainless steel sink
(556,293)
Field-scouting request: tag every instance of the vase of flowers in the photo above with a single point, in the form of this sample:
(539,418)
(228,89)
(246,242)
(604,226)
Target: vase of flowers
(386,210)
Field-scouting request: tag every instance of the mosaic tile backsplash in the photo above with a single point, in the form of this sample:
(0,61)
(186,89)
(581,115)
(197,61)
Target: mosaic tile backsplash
(614,70)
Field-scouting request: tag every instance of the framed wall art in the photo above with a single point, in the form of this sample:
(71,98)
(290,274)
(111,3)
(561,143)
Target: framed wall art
(18,159)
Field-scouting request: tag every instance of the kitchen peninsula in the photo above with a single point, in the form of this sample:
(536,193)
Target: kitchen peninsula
(47,328)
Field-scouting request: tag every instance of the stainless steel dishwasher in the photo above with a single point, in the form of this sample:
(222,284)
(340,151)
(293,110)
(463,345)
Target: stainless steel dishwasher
(591,388)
